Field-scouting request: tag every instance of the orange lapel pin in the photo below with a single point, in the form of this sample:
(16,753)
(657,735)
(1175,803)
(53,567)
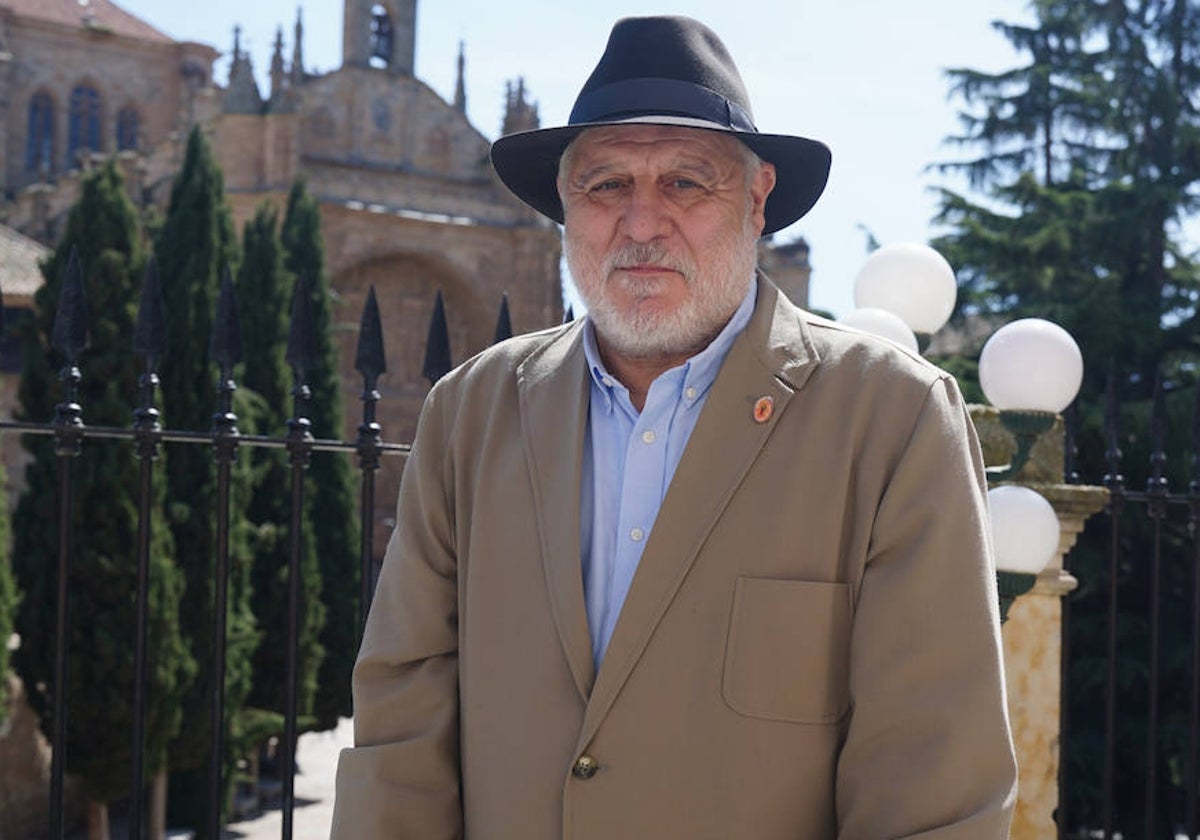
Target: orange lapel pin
(764,407)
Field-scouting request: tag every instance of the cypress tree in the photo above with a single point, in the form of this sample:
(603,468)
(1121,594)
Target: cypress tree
(195,245)
(330,479)
(102,226)
(264,290)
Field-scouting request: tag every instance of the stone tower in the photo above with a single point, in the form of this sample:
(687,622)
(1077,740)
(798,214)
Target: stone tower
(380,33)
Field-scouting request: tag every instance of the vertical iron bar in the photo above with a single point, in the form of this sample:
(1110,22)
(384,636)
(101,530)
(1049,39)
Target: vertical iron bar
(59,753)
(371,362)
(1070,476)
(147,426)
(301,355)
(299,445)
(149,341)
(224,457)
(70,338)
(1115,482)
(1193,755)
(226,351)
(1156,489)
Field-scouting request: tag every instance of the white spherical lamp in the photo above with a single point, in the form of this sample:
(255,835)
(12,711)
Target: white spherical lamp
(1025,529)
(882,323)
(911,280)
(1031,365)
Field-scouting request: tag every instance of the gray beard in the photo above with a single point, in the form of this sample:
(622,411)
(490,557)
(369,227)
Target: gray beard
(681,332)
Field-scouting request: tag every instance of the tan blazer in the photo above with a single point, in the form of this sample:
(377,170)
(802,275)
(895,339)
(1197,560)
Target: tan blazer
(810,647)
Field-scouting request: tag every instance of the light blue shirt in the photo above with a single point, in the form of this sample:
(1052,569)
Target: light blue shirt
(628,461)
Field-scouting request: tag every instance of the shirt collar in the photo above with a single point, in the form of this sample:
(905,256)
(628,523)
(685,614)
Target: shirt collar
(699,372)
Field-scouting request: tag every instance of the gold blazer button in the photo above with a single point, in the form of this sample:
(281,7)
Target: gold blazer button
(585,767)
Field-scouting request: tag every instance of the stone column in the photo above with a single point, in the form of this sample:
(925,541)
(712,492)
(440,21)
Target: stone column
(1032,636)
(1032,639)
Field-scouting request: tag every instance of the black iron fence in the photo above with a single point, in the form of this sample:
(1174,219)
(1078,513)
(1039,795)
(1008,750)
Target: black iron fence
(1130,724)
(71,432)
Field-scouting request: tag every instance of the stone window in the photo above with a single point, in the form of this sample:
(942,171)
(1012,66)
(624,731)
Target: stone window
(39,140)
(83,122)
(381,37)
(128,129)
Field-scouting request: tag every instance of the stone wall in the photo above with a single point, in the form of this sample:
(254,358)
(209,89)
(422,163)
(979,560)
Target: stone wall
(25,774)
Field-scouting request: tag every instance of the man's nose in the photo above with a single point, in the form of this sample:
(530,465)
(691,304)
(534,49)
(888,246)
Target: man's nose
(646,214)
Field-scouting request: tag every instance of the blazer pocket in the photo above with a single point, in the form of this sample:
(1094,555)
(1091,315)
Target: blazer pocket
(787,653)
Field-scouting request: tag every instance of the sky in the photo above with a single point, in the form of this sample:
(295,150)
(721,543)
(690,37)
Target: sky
(866,77)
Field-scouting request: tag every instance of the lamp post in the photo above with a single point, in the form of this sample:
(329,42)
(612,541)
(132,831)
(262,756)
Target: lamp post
(1025,535)
(1030,370)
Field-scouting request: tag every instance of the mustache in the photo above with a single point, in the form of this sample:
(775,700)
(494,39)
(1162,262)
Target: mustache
(648,253)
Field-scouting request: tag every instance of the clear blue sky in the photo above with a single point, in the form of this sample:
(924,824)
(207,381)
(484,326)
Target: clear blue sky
(864,76)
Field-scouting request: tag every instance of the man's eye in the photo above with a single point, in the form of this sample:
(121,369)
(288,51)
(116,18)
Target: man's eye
(606,186)
(684,184)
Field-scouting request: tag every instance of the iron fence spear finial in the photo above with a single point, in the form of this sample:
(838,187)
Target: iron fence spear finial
(437,345)
(301,351)
(150,332)
(504,328)
(70,333)
(369,358)
(225,347)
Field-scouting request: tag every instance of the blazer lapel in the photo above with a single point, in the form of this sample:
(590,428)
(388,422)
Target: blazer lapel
(554,413)
(763,363)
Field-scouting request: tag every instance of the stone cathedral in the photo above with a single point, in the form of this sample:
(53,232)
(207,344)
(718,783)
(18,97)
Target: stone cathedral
(409,203)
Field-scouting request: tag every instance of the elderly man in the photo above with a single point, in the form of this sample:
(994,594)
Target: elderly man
(698,565)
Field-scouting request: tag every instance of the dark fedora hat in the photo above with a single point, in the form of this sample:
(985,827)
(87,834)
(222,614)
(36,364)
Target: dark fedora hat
(664,71)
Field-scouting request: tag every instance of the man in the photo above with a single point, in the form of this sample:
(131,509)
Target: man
(699,565)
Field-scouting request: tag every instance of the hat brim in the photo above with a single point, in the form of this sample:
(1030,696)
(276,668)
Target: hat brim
(527,163)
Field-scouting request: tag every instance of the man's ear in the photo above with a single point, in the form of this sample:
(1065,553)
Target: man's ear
(760,187)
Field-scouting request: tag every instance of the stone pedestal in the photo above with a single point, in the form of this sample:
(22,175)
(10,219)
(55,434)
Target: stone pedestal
(1032,639)
(1032,636)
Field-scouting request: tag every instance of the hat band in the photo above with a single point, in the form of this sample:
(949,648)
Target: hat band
(666,97)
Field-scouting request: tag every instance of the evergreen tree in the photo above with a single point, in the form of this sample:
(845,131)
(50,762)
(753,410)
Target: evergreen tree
(195,245)
(1089,161)
(264,290)
(331,482)
(1089,156)
(102,226)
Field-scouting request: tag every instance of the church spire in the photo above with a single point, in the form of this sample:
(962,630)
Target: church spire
(519,113)
(460,89)
(241,95)
(277,74)
(298,50)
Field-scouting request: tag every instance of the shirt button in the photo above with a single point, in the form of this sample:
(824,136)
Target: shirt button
(585,767)
(689,392)
(636,534)
(607,380)
(648,436)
